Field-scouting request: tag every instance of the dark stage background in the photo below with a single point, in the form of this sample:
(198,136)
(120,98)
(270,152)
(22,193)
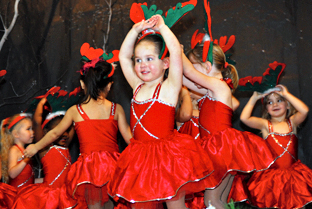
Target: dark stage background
(42,50)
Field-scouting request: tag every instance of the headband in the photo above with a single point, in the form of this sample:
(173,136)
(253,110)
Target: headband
(207,40)
(51,116)
(139,12)
(92,56)
(264,83)
(18,119)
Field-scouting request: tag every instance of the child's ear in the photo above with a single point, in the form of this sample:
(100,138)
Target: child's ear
(166,62)
(15,133)
(208,66)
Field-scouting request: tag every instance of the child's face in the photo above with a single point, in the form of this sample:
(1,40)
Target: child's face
(25,134)
(276,105)
(62,140)
(147,65)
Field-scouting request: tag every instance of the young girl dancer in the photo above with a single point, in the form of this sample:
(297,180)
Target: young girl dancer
(16,132)
(231,150)
(288,182)
(96,123)
(159,165)
(55,161)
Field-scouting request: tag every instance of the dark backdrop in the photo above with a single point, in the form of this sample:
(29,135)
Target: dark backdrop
(42,50)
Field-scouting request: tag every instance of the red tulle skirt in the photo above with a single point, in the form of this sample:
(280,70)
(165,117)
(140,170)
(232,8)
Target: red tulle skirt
(44,197)
(161,169)
(234,151)
(282,188)
(7,195)
(89,175)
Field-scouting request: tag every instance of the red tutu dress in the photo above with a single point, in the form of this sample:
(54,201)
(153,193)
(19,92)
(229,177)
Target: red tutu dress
(288,182)
(159,164)
(8,192)
(190,127)
(51,193)
(230,150)
(99,151)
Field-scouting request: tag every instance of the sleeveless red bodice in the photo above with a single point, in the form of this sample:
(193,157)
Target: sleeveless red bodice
(190,127)
(55,173)
(91,131)
(26,177)
(214,116)
(151,119)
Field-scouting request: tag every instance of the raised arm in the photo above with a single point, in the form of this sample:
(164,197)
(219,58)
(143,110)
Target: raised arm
(37,120)
(301,107)
(175,66)
(127,49)
(251,121)
(52,135)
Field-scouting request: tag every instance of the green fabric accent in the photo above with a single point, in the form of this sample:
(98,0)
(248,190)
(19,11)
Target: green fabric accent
(268,82)
(210,53)
(84,58)
(149,12)
(107,56)
(173,16)
(229,60)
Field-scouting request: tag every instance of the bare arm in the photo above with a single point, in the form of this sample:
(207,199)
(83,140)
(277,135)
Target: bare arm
(123,125)
(126,52)
(251,121)
(235,103)
(15,168)
(300,106)
(37,120)
(184,113)
(52,135)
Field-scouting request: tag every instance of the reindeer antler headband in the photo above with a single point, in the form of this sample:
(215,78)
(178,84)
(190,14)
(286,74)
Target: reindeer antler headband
(139,12)
(264,83)
(207,40)
(92,56)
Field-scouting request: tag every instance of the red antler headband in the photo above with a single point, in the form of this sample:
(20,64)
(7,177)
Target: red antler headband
(92,56)
(139,12)
(207,40)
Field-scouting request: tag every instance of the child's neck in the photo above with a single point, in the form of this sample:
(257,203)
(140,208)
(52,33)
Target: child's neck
(20,144)
(278,119)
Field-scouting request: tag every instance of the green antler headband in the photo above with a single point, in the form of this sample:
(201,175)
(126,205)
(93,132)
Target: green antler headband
(207,40)
(264,83)
(139,12)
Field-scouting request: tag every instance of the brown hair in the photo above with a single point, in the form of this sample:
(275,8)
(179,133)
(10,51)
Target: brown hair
(219,61)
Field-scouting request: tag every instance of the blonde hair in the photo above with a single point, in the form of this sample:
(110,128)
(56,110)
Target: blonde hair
(219,61)
(7,141)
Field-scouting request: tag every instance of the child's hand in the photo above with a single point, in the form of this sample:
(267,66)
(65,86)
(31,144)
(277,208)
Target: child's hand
(30,151)
(159,22)
(283,90)
(256,95)
(144,24)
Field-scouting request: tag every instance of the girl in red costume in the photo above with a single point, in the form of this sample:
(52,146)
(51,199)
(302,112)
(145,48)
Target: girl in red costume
(230,150)
(56,162)
(96,123)
(288,182)
(16,132)
(160,164)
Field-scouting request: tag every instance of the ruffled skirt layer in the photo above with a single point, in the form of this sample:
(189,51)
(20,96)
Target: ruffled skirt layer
(160,170)
(282,188)
(234,151)
(89,175)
